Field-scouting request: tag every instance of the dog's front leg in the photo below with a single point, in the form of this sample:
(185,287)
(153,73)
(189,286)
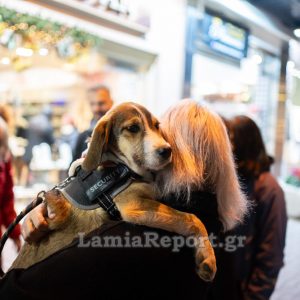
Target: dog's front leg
(154,214)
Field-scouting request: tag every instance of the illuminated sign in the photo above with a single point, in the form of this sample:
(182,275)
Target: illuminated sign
(224,37)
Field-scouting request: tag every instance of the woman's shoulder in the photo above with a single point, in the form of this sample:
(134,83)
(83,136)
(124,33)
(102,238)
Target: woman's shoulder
(267,180)
(267,188)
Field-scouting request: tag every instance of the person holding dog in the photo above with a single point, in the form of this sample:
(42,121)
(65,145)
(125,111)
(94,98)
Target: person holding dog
(201,179)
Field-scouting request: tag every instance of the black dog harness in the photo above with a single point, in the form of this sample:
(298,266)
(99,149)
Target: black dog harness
(89,190)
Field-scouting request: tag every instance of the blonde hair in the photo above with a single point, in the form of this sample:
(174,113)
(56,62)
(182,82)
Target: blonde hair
(202,159)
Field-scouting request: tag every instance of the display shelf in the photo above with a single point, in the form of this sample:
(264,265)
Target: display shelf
(24,195)
(34,107)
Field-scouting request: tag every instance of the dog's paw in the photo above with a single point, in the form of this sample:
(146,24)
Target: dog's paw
(207,269)
(60,207)
(205,260)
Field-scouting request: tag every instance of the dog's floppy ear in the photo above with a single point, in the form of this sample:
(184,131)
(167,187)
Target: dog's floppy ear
(98,144)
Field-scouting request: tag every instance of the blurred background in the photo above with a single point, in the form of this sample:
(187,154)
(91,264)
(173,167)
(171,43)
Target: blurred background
(239,57)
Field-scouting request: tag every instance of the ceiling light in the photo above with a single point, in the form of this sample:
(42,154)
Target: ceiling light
(24,52)
(297,32)
(43,51)
(257,59)
(5,60)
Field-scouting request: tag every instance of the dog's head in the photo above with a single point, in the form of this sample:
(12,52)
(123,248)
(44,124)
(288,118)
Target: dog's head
(132,134)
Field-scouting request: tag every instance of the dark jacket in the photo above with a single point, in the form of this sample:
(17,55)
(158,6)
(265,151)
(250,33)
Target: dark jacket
(114,273)
(202,204)
(81,143)
(254,268)
(269,238)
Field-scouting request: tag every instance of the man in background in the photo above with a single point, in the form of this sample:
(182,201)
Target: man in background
(100,102)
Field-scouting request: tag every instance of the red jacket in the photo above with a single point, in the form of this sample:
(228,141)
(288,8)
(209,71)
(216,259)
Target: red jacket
(7,211)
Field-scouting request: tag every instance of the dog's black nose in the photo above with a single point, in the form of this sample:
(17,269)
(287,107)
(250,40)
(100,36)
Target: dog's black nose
(164,152)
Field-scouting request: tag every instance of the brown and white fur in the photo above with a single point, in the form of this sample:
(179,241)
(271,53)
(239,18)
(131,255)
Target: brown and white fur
(130,134)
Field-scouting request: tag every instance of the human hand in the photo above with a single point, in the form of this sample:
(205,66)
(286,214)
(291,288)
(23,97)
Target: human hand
(35,225)
(74,165)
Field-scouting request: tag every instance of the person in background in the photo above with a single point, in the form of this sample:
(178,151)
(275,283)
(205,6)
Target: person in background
(68,131)
(100,102)
(40,130)
(254,268)
(7,211)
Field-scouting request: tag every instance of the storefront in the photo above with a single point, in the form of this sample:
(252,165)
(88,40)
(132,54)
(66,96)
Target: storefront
(237,63)
(233,64)
(290,168)
(52,51)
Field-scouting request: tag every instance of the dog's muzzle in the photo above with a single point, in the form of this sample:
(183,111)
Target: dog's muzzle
(164,153)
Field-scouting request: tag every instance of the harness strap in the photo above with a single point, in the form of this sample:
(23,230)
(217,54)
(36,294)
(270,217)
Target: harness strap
(89,190)
(107,203)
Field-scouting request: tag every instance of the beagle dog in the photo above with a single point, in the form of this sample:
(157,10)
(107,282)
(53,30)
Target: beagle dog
(130,134)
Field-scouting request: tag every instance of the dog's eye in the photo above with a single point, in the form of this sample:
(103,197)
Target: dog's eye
(133,128)
(156,125)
